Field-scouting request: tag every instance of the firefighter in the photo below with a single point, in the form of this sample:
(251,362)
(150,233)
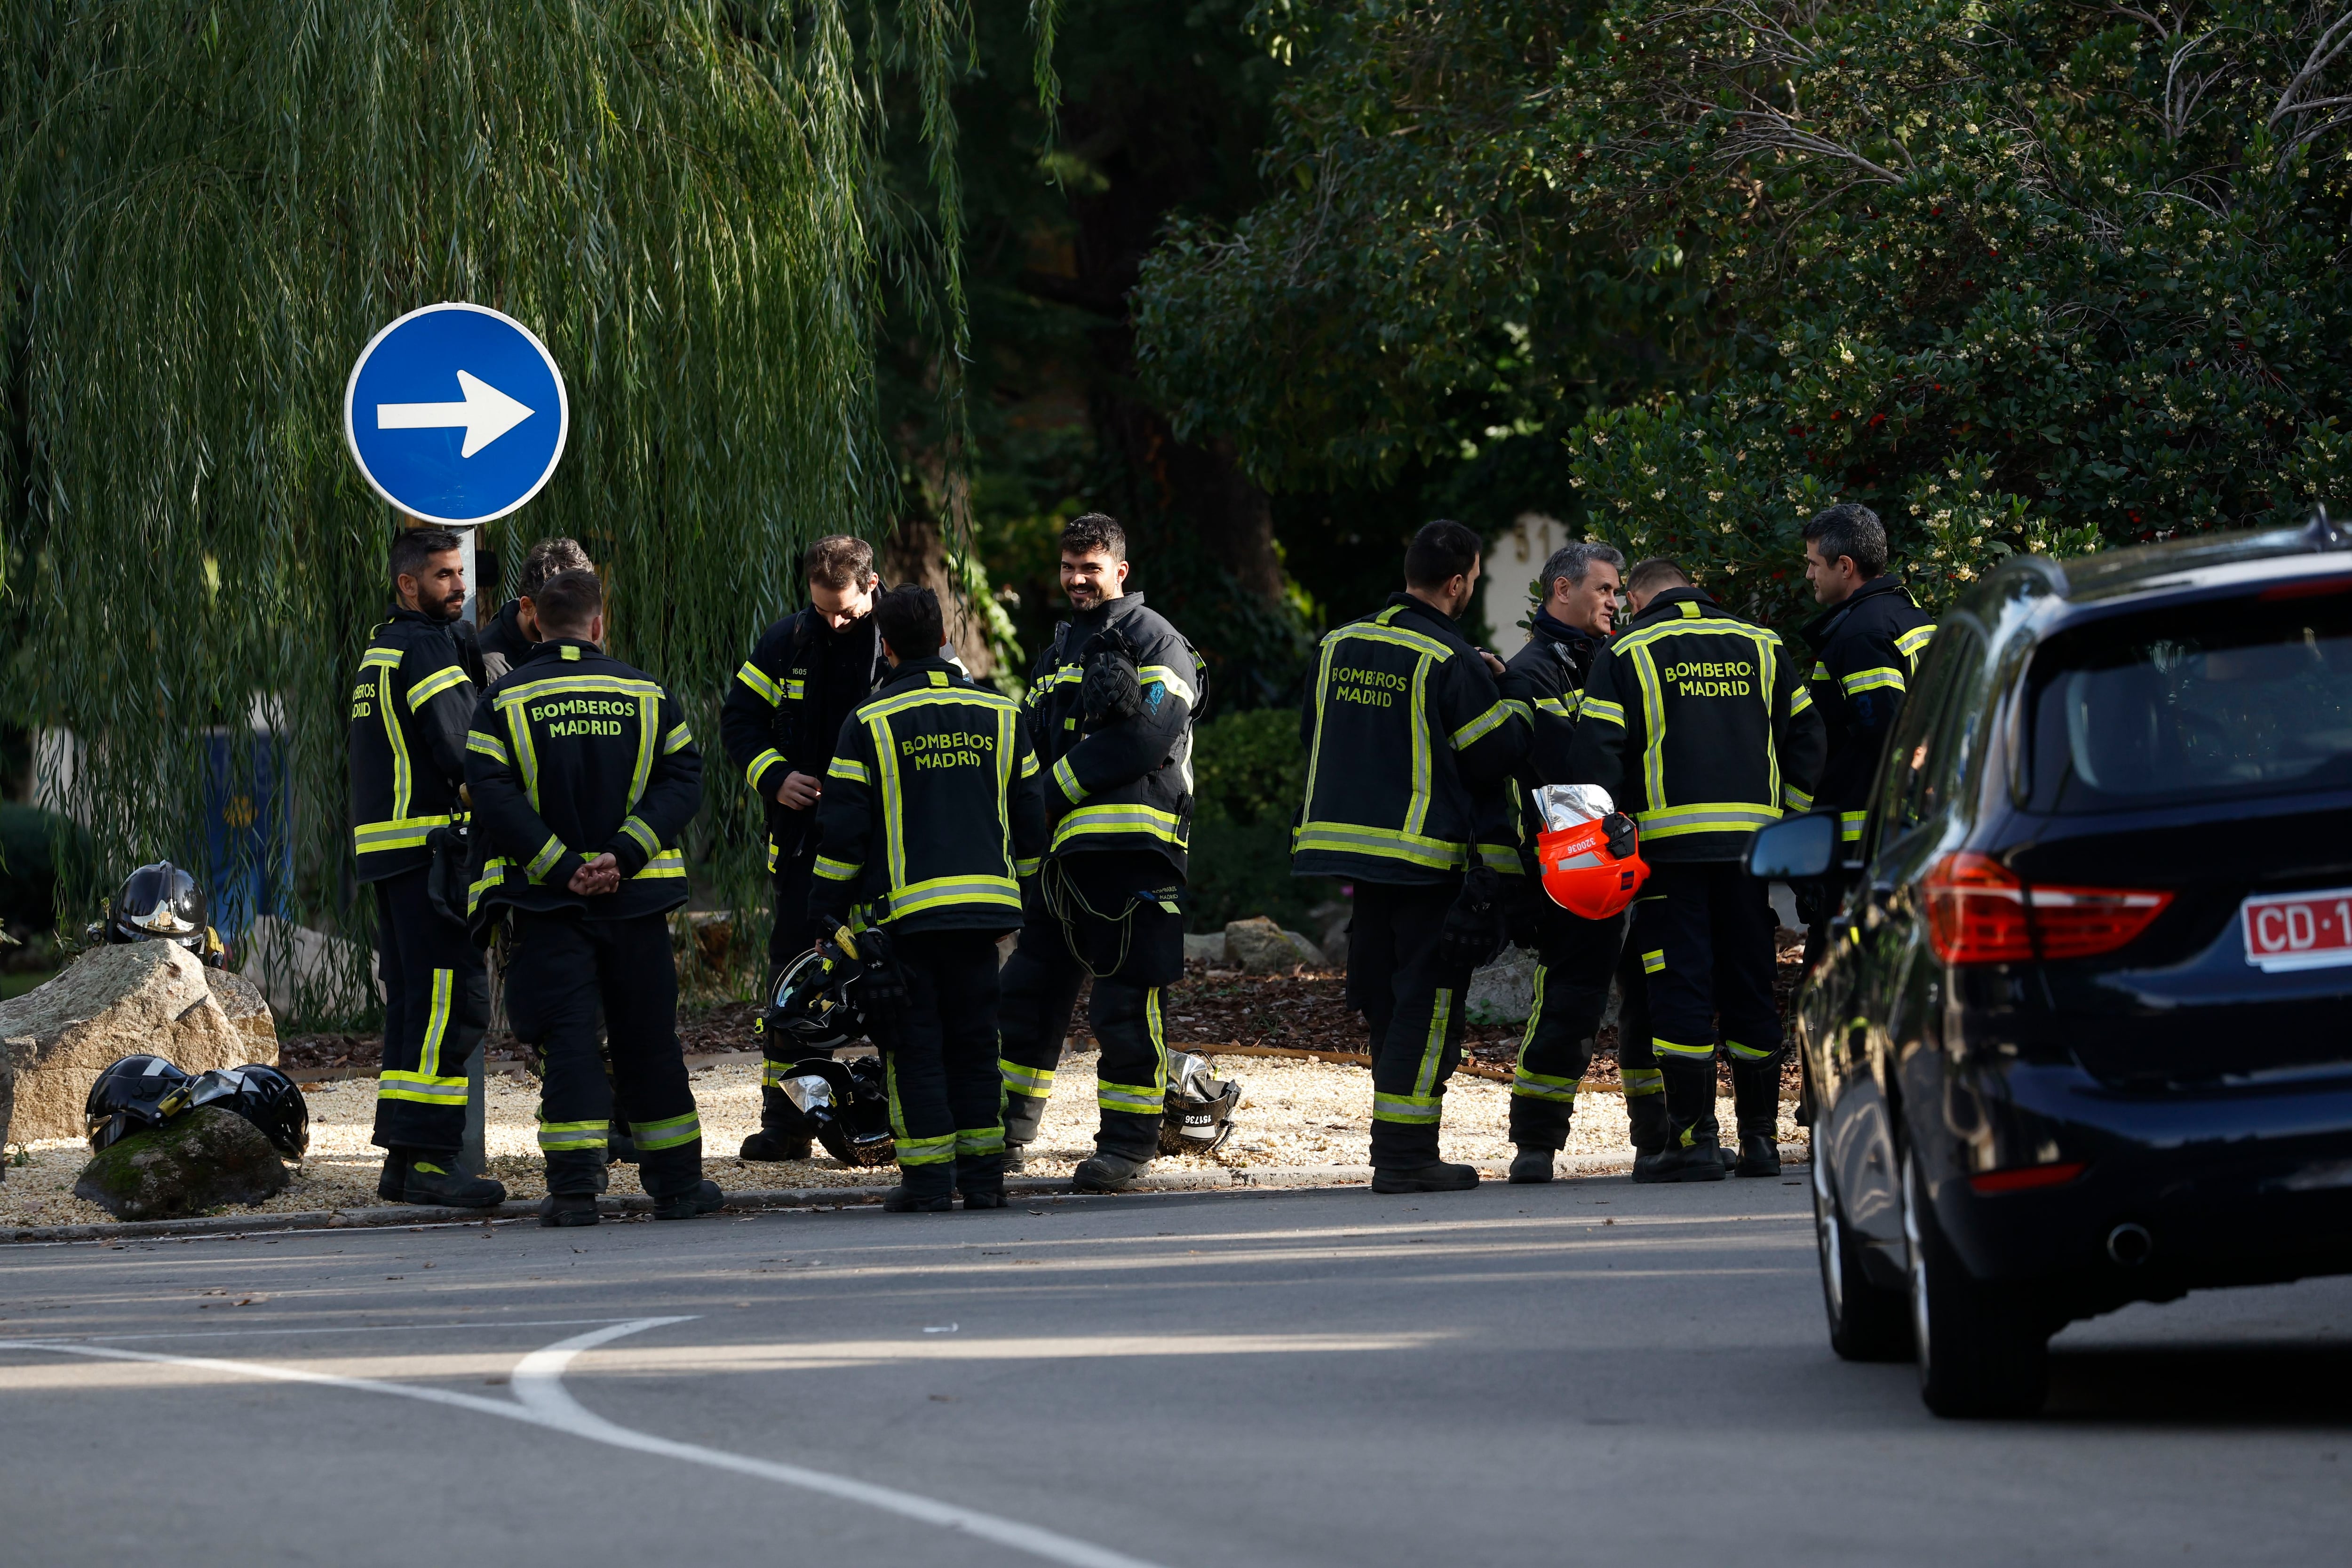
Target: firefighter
(781,715)
(1701,725)
(1110,708)
(506,641)
(932,819)
(1575,957)
(408,712)
(1866,646)
(1409,746)
(583,775)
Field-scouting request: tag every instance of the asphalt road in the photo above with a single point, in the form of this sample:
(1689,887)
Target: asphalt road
(1584,1373)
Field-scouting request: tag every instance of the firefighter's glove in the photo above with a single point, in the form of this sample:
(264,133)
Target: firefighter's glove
(1617,830)
(1111,692)
(1812,902)
(882,993)
(1474,926)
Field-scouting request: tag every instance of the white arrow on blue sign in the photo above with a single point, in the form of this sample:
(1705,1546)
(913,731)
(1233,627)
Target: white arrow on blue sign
(455,414)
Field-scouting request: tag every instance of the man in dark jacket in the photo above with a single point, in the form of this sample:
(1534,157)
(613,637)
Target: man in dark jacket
(584,777)
(507,640)
(1575,957)
(1866,646)
(407,739)
(1110,709)
(932,820)
(1700,725)
(781,715)
(1409,749)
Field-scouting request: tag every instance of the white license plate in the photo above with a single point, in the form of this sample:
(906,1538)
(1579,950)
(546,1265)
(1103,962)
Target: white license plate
(2298,930)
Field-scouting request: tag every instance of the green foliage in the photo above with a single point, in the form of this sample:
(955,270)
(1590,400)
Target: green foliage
(1248,768)
(210,207)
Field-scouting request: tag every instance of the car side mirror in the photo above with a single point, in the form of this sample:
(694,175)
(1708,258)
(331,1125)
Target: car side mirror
(1795,849)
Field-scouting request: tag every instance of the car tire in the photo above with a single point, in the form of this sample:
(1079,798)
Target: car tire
(1868,1321)
(1982,1348)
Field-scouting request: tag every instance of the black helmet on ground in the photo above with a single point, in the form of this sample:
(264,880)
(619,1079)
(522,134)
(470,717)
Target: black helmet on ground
(130,1096)
(849,1104)
(263,1096)
(161,902)
(814,1005)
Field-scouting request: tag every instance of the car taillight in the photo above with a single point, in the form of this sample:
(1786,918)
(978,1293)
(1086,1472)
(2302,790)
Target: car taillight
(2024,1178)
(1979,911)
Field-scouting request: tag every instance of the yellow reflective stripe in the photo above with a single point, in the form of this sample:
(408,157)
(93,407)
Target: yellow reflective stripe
(1653,961)
(1381,631)
(1164,826)
(1416,812)
(432,685)
(1641,1080)
(1561,706)
(1668,1047)
(607,685)
(1850,825)
(494,871)
(651,1136)
(1413,1109)
(1028,765)
(1168,678)
(849,768)
(567,1135)
(1600,708)
(677,740)
(544,861)
(648,727)
(1688,626)
(753,769)
(1502,858)
(1746,1053)
(1651,686)
(756,680)
(1712,816)
(1801,700)
(381,657)
(403,778)
(1882,679)
(646,839)
(526,753)
(837,870)
(669,863)
(796,689)
(1034,1082)
(1026,867)
(894,806)
(1795,798)
(1909,643)
(400,833)
(1432,1050)
(974,890)
(437,1024)
(487,745)
(1065,779)
(1353,839)
(922,697)
(1494,718)
(421,1088)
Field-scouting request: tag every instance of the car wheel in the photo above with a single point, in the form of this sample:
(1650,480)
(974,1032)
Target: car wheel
(1867,1321)
(1982,1348)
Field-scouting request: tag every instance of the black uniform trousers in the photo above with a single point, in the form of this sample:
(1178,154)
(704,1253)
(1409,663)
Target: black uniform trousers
(437,1004)
(1411,998)
(788,937)
(1575,961)
(1703,932)
(947,1096)
(564,965)
(1095,917)
(1637,1058)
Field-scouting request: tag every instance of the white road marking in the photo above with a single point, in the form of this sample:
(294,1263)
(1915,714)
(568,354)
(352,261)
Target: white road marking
(295,1329)
(541,1400)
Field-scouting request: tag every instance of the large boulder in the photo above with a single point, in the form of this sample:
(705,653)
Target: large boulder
(1503,992)
(112,1002)
(242,1001)
(1261,947)
(192,1163)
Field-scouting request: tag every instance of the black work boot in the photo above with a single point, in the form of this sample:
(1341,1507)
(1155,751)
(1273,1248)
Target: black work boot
(1439,1177)
(1023,1115)
(980,1180)
(434,1178)
(1648,1125)
(1107,1171)
(392,1183)
(702,1198)
(1758,1156)
(1691,1157)
(922,1189)
(1530,1165)
(764,1145)
(566,1209)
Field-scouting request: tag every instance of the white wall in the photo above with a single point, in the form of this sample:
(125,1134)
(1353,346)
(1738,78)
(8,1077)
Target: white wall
(1512,561)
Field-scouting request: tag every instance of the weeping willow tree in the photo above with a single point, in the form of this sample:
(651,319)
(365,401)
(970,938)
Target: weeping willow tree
(210,207)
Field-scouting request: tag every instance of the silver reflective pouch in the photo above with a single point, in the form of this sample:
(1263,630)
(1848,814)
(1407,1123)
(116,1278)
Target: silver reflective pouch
(810,1094)
(1564,806)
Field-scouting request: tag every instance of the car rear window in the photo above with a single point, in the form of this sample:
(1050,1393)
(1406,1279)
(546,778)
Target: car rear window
(2205,701)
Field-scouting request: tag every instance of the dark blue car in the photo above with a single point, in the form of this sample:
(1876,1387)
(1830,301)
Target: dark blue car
(2082,1031)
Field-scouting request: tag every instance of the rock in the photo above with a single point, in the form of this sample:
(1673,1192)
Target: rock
(1312,954)
(242,1000)
(1504,992)
(1261,947)
(192,1163)
(295,966)
(1335,937)
(1209,949)
(111,1001)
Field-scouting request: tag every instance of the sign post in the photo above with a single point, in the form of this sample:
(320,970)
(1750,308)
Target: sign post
(456,414)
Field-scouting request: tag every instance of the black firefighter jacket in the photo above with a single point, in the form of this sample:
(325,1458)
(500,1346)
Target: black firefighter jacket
(933,812)
(1699,725)
(1409,751)
(1547,678)
(1127,786)
(572,755)
(1865,651)
(407,738)
(784,710)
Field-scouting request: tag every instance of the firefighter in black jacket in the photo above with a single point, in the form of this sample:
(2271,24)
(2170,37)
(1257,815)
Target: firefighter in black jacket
(1866,647)
(407,738)
(1700,725)
(781,715)
(507,640)
(584,777)
(1110,709)
(932,820)
(1409,749)
(1575,957)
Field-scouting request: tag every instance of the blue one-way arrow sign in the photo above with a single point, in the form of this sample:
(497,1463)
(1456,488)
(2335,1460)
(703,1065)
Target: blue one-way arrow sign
(455,414)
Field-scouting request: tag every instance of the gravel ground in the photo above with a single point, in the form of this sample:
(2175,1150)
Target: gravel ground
(1293,1113)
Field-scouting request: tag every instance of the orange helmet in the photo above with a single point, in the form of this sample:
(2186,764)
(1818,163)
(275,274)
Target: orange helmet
(1594,868)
